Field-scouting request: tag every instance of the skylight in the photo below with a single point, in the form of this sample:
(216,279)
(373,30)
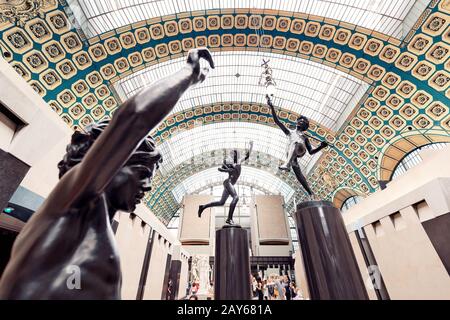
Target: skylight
(224,135)
(99,16)
(309,88)
(249,176)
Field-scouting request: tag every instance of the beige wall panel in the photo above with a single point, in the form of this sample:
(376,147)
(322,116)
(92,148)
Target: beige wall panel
(407,260)
(195,230)
(184,277)
(41,142)
(200,249)
(132,241)
(424,212)
(143,212)
(362,266)
(180,254)
(43,175)
(44,127)
(275,250)
(157,268)
(429,181)
(271,219)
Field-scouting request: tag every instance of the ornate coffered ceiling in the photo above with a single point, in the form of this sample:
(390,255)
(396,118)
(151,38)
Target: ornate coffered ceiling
(407,80)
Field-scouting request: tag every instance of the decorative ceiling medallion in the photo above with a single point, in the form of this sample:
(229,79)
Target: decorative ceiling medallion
(20,11)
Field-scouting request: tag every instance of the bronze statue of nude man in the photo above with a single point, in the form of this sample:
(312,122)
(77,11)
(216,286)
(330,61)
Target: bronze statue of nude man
(106,169)
(233,169)
(299,144)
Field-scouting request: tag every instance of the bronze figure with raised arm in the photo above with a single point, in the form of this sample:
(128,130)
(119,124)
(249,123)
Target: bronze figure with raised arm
(299,144)
(233,169)
(67,248)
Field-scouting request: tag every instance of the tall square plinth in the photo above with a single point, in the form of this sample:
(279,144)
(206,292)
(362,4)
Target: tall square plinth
(232,264)
(330,264)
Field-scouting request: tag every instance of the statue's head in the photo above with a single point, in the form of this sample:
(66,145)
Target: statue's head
(234,156)
(302,123)
(128,186)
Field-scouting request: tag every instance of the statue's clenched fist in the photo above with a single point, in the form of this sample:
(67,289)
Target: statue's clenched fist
(194,56)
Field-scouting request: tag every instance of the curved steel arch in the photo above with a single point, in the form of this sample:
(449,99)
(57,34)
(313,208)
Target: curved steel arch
(250,175)
(315,90)
(342,194)
(225,135)
(258,160)
(115,64)
(232,111)
(401,146)
(168,130)
(165,182)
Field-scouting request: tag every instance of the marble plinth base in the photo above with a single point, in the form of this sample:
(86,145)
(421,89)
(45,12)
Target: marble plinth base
(330,263)
(232,264)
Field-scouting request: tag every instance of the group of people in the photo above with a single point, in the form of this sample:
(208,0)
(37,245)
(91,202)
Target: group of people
(275,287)
(194,287)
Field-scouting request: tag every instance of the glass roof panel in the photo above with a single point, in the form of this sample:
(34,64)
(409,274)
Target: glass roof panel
(225,136)
(387,17)
(249,176)
(309,88)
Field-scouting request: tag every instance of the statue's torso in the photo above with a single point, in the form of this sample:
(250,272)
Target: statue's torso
(299,140)
(235,174)
(52,252)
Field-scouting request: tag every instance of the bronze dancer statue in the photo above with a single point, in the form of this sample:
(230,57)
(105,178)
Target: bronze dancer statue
(67,248)
(234,171)
(298,145)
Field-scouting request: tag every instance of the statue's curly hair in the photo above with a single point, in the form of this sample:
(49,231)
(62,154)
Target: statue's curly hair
(305,119)
(145,155)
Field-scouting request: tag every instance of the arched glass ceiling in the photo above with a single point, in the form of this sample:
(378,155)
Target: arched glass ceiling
(99,16)
(224,135)
(250,176)
(319,92)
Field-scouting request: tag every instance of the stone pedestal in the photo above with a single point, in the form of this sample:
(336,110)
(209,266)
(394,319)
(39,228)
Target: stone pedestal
(232,264)
(330,263)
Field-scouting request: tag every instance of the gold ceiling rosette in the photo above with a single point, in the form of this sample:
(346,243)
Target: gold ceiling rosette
(20,11)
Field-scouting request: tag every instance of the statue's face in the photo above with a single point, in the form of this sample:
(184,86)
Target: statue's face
(302,124)
(128,187)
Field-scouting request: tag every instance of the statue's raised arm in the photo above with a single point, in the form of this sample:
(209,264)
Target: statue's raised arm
(247,153)
(131,123)
(275,117)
